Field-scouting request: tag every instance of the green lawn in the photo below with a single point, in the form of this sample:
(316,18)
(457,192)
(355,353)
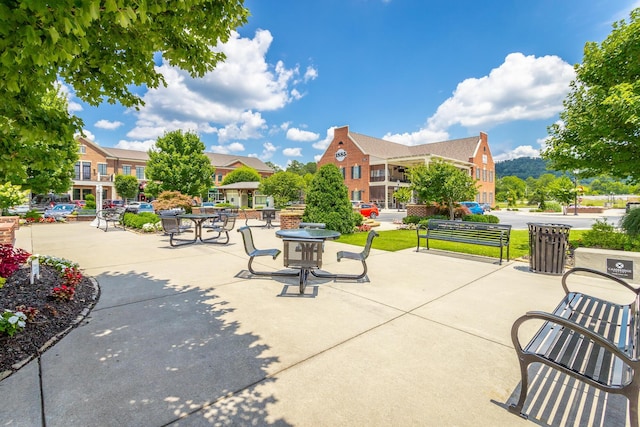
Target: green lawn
(395,240)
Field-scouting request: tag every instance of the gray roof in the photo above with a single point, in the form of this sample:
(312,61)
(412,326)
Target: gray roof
(217,160)
(458,149)
(226,160)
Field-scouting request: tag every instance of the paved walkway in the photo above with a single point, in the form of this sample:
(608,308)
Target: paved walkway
(183,337)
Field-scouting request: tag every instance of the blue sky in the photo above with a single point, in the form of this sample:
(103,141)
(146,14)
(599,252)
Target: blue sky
(410,71)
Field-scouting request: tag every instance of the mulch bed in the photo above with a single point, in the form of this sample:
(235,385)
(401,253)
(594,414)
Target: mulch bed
(53,320)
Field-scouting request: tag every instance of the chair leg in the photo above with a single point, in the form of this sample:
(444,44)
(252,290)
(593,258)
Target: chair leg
(268,273)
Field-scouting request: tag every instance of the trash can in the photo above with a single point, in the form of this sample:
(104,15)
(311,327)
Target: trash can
(548,247)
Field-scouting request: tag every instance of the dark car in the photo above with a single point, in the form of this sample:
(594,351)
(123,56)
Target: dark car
(61,210)
(369,210)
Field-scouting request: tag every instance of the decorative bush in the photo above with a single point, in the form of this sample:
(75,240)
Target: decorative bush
(139,220)
(91,201)
(491,219)
(172,199)
(11,259)
(631,223)
(603,235)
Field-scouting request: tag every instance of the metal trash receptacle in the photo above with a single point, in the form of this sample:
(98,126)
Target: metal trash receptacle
(548,247)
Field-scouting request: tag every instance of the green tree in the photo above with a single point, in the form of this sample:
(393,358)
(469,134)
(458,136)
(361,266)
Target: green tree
(442,183)
(38,149)
(403,194)
(102,49)
(599,132)
(563,190)
(242,174)
(178,163)
(328,201)
(10,195)
(283,186)
(510,187)
(273,166)
(126,186)
(91,201)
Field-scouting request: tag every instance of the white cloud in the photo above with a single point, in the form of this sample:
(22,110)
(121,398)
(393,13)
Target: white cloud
(88,135)
(317,157)
(106,124)
(522,88)
(227,101)
(292,152)
(136,145)
(294,134)
(310,74)
(521,151)
(323,144)
(234,147)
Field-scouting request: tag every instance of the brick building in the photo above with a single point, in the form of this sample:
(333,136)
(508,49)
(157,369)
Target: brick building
(98,166)
(374,168)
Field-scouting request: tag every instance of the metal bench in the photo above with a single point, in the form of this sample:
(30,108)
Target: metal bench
(477,233)
(587,338)
(114,216)
(317,225)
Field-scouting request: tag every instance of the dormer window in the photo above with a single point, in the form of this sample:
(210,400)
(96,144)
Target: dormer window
(82,149)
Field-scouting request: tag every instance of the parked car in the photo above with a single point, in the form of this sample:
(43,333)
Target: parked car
(44,201)
(79,203)
(474,207)
(208,204)
(369,210)
(61,210)
(486,207)
(138,207)
(19,209)
(108,203)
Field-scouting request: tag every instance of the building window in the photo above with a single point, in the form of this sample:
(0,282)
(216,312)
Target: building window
(86,171)
(102,169)
(478,173)
(126,170)
(356,195)
(490,176)
(484,175)
(77,171)
(82,149)
(355,172)
(140,172)
(343,172)
(220,178)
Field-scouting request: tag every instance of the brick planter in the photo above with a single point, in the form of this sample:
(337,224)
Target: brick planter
(289,220)
(8,227)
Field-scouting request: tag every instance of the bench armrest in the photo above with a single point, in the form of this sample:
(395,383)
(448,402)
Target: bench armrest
(594,336)
(566,275)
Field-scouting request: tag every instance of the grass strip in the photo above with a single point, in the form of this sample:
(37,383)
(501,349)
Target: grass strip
(397,240)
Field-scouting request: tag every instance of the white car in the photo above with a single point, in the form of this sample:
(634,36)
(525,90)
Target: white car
(19,209)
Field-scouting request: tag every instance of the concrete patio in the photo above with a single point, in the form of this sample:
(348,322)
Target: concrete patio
(185,337)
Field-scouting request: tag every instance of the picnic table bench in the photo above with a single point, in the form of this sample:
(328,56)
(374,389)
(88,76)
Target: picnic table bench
(477,233)
(587,338)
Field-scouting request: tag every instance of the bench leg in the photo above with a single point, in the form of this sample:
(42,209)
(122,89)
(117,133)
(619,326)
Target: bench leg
(633,406)
(524,386)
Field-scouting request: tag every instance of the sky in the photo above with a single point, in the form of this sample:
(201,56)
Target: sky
(409,71)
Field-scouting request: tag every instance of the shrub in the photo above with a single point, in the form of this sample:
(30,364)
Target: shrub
(327,201)
(411,219)
(491,219)
(11,259)
(631,223)
(603,235)
(91,201)
(172,199)
(139,220)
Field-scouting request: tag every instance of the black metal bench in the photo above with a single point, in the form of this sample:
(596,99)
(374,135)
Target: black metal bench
(477,233)
(587,338)
(114,216)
